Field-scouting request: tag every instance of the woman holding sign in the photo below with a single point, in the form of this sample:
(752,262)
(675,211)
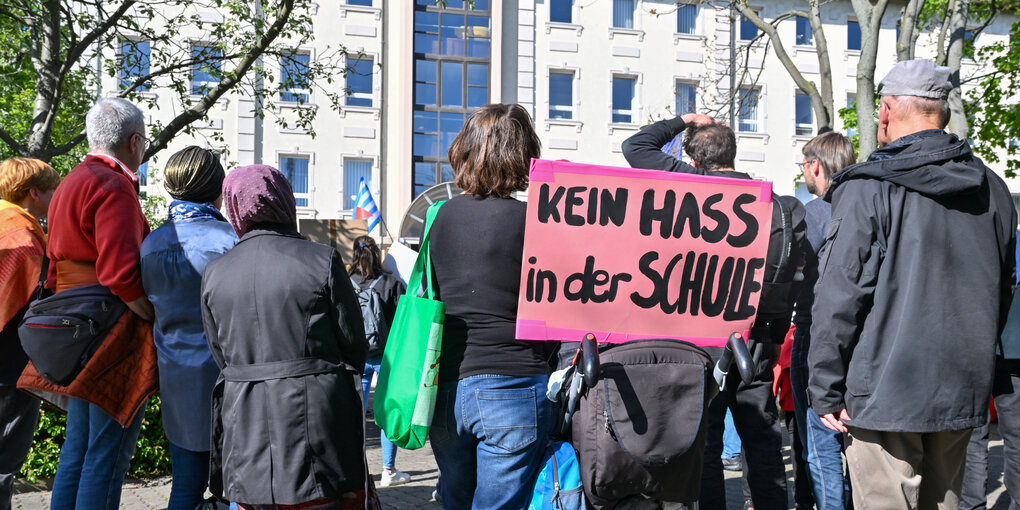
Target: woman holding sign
(492,420)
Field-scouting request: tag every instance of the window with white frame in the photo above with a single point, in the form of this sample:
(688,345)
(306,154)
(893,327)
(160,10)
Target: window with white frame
(143,179)
(747,29)
(295,168)
(359,81)
(804,34)
(623,13)
(748,110)
(294,84)
(366,3)
(134,63)
(354,171)
(561,11)
(561,95)
(803,117)
(686,94)
(686,18)
(853,35)
(205,73)
(623,99)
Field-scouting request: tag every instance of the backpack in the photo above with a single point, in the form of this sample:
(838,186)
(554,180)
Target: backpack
(377,328)
(784,263)
(558,485)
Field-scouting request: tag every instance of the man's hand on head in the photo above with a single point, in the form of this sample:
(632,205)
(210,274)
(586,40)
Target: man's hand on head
(697,120)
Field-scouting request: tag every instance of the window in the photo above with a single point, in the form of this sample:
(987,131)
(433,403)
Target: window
(748,30)
(851,102)
(804,36)
(354,171)
(294,84)
(561,11)
(143,179)
(451,80)
(366,3)
(748,111)
(623,99)
(561,95)
(805,125)
(853,35)
(686,19)
(685,97)
(623,13)
(135,63)
(296,170)
(205,73)
(359,81)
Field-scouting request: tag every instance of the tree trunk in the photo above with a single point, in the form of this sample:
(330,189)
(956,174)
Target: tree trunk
(869,15)
(47,62)
(824,72)
(942,55)
(958,124)
(905,45)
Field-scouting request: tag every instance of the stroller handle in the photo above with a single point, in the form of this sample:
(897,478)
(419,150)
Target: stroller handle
(590,360)
(735,353)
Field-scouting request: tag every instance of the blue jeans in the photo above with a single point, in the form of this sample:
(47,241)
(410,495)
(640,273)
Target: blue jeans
(730,438)
(822,447)
(389,450)
(190,478)
(489,435)
(93,459)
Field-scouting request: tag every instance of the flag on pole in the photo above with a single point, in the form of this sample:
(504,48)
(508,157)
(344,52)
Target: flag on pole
(365,208)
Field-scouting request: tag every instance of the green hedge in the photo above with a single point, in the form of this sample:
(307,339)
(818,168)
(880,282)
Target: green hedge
(152,456)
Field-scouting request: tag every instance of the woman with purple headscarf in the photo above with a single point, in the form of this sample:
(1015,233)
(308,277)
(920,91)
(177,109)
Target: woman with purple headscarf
(285,328)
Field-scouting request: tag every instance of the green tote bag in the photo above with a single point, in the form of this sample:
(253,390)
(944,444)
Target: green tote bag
(405,393)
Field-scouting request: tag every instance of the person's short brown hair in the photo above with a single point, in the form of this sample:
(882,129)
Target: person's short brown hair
(492,153)
(833,150)
(19,175)
(712,147)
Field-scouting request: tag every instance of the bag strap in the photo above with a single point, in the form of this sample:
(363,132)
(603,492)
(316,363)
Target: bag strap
(786,216)
(42,277)
(423,264)
(374,283)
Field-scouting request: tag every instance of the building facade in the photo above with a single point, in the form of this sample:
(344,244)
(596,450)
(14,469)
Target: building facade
(590,72)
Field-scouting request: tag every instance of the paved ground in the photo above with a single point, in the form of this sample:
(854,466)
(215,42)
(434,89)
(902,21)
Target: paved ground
(153,494)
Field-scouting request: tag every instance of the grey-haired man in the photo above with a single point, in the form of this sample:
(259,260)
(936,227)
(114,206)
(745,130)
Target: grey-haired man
(915,279)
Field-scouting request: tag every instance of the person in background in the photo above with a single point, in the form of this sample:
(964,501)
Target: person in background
(476,243)
(26,187)
(173,259)
(96,228)
(371,281)
(824,155)
(802,497)
(915,278)
(731,460)
(285,329)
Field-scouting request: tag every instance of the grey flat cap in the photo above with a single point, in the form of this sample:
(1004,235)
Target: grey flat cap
(920,78)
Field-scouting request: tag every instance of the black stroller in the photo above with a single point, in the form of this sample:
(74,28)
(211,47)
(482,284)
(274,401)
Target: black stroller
(641,417)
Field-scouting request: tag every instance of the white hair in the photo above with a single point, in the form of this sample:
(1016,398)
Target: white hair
(111,122)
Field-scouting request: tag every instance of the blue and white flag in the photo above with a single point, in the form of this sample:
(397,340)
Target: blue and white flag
(365,208)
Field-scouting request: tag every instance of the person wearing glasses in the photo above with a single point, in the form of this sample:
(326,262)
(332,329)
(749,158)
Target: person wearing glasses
(96,228)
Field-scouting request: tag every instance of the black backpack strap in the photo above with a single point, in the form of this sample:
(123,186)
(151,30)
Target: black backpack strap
(786,215)
(41,287)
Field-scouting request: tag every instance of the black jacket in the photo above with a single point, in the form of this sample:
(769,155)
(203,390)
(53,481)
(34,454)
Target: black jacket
(775,308)
(915,278)
(285,327)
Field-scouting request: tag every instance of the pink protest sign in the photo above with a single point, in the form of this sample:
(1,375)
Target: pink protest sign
(626,254)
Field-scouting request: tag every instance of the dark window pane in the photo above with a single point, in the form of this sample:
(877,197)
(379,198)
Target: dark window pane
(451,31)
(424,145)
(623,99)
(294,77)
(424,94)
(453,83)
(804,36)
(477,97)
(623,13)
(360,2)
(478,74)
(453,4)
(446,171)
(205,73)
(295,168)
(135,64)
(426,22)
(481,5)
(359,81)
(426,122)
(804,125)
(449,127)
(478,48)
(747,112)
(561,11)
(747,29)
(685,97)
(425,71)
(686,19)
(354,171)
(426,43)
(424,177)
(561,95)
(853,35)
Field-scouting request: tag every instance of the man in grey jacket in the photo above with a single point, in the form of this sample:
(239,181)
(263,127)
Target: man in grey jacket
(915,278)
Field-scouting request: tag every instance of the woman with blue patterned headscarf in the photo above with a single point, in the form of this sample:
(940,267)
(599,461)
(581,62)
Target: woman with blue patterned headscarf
(174,257)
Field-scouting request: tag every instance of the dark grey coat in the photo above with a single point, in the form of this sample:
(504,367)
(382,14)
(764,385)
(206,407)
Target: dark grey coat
(915,278)
(285,327)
